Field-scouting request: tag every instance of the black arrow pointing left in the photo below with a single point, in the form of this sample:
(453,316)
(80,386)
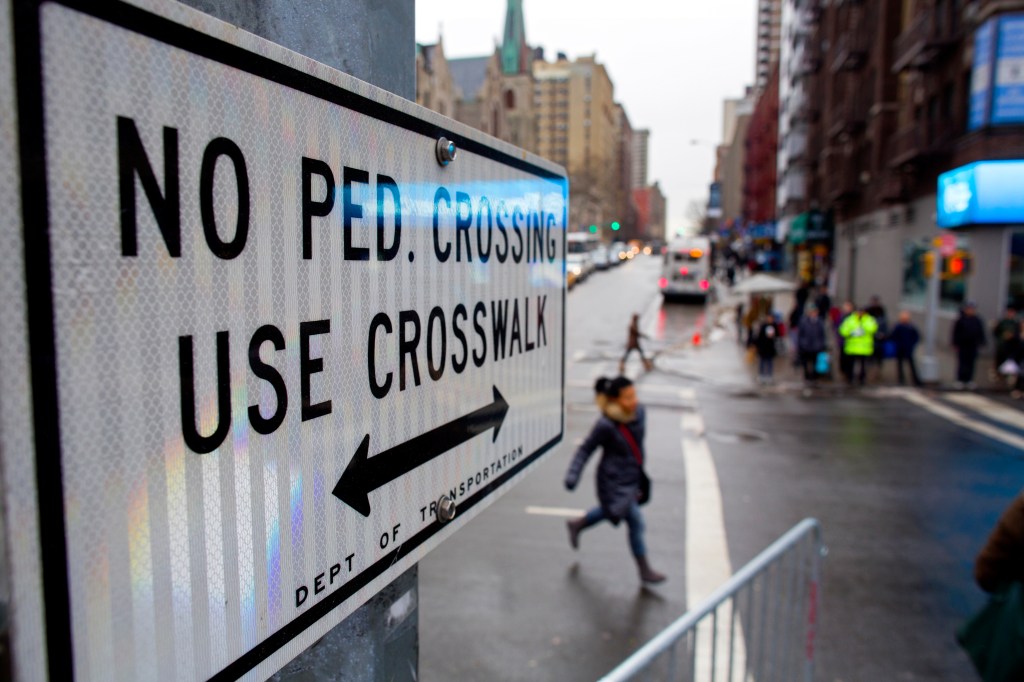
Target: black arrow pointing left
(365,474)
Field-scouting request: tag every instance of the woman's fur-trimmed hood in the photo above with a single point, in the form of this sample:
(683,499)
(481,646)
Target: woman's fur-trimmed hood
(613,410)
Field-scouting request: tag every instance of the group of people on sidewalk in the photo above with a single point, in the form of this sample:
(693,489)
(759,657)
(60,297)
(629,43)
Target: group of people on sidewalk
(864,339)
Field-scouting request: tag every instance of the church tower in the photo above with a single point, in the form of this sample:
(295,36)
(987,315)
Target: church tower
(515,54)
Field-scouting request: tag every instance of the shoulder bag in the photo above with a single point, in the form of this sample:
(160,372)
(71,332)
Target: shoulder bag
(644,494)
(994,636)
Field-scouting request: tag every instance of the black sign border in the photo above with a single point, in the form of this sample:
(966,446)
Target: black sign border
(42,324)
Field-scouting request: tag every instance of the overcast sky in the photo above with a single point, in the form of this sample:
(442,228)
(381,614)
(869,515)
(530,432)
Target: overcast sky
(672,63)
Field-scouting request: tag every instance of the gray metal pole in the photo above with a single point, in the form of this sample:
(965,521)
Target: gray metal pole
(373,40)
(930,363)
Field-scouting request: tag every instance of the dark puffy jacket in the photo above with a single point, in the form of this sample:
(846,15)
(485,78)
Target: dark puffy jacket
(618,474)
(810,336)
(968,333)
(767,340)
(906,337)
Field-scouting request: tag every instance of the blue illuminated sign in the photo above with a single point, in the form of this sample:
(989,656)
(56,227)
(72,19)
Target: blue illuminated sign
(997,73)
(983,193)
(981,75)
(1008,93)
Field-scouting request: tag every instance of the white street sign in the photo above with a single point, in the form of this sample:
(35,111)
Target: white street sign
(267,335)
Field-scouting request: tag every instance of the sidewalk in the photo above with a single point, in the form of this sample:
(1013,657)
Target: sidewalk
(786,373)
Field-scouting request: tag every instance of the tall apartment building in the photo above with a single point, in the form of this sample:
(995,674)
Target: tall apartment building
(769,40)
(800,223)
(641,140)
(577,127)
(921,137)
(761,162)
(732,154)
(625,207)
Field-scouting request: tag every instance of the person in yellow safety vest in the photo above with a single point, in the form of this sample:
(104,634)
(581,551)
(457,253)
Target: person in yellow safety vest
(858,332)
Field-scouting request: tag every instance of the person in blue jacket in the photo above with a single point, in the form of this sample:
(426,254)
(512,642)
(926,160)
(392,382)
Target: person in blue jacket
(905,338)
(619,432)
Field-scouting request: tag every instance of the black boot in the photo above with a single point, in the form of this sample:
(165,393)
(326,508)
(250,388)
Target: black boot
(575,526)
(648,574)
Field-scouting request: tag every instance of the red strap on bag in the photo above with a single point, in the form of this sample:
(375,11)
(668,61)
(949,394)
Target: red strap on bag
(632,444)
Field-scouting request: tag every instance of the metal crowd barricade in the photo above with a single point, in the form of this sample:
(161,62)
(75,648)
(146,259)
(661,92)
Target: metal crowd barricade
(760,626)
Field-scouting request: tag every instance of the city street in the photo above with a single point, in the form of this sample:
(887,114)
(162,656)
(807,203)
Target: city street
(906,485)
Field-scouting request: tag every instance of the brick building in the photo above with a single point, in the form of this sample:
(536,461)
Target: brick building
(762,142)
(891,108)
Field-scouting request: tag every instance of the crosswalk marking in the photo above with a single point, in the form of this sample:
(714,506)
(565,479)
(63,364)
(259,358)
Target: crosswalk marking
(957,417)
(990,408)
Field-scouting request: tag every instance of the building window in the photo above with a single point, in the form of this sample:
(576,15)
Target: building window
(510,100)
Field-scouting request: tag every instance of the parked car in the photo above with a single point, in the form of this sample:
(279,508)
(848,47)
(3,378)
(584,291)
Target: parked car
(601,256)
(580,264)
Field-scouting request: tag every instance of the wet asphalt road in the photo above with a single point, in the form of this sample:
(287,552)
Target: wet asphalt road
(905,496)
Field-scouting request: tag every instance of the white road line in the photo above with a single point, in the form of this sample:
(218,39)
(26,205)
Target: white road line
(963,420)
(707,554)
(555,511)
(693,424)
(990,408)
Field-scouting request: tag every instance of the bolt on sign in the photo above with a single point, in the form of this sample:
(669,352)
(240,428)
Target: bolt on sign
(271,335)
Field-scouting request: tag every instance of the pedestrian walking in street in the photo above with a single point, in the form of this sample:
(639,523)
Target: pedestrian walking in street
(905,338)
(1005,334)
(994,636)
(811,342)
(858,333)
(968,339)
(633,344)
(767,345)
(622,484)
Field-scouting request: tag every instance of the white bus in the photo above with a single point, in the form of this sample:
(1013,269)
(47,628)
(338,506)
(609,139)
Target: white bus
(687,269)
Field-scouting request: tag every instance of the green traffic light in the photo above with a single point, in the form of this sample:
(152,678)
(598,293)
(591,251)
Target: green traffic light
(593,228)
(615,225)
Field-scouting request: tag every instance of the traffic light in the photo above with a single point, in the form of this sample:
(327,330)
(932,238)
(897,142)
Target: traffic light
(958,265)
(593,229)
(615,225)
(928,259)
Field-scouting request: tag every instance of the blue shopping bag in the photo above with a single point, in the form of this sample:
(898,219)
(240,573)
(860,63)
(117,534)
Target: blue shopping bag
(822,362)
